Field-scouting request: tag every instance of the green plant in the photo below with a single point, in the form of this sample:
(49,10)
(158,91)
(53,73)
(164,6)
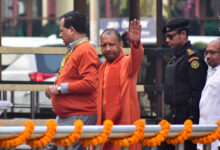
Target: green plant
(200,45)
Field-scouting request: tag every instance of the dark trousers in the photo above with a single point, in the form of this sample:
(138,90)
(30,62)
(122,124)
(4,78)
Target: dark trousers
(188,145)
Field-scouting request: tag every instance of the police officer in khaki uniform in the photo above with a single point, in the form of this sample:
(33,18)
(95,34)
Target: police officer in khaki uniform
(185,77)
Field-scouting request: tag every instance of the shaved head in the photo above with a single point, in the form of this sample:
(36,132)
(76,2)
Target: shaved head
(213,53)
(215,44)
(112,31)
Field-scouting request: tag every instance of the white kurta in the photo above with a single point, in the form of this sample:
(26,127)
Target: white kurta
(210,103)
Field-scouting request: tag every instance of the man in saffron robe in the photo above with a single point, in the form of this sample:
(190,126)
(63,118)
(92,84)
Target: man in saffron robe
(117,100)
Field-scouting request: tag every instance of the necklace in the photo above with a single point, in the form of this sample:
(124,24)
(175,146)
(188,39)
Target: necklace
(65,58)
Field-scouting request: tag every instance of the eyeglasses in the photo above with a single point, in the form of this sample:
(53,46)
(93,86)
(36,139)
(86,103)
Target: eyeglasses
(170,36)
(211,52)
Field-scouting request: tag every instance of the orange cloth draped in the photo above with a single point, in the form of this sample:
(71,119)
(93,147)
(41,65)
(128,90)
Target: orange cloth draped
(117,90)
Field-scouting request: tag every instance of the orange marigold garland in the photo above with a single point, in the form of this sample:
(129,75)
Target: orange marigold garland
(72,137)
(183,135)
(19,139)
(135,137)
(102,137)
(47,137)
(159,137)
(209,138)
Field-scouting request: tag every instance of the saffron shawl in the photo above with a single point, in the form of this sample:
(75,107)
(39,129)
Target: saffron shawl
(113,89)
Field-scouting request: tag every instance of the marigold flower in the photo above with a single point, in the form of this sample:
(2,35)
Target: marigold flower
(72,137)
(208,138)
(159,137)
(20,138)
(183,135)
(46,137)
(134,138)
(102,137)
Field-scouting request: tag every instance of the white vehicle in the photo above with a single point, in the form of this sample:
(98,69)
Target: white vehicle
(7,59)
(30,67)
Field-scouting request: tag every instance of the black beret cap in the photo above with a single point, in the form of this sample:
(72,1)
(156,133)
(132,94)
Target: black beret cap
(176,24)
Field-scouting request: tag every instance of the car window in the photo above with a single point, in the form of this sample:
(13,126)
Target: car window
(48,63)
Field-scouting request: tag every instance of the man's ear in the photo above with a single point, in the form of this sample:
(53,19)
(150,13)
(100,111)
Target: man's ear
(184,33)
(121,44)
(72,29)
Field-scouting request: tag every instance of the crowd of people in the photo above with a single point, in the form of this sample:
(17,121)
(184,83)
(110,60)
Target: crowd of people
(93,92)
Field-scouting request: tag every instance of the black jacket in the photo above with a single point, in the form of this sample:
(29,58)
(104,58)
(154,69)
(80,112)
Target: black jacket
(185,77)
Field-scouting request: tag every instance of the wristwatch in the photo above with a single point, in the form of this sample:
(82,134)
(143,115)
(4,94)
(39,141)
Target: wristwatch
(59,89)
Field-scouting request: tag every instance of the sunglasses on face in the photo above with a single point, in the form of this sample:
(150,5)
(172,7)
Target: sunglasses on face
(171,36)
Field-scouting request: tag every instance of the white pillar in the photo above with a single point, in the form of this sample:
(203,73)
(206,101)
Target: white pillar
(94,22)
(44,12)
(63,6)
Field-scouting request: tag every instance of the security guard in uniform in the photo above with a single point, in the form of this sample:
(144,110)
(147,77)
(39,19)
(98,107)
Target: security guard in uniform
(185,77)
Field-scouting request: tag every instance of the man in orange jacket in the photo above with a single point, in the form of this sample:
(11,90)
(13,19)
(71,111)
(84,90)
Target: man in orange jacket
(75,91)
(117,100)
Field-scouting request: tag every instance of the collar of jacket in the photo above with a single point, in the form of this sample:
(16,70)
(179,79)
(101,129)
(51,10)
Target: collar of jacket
(183,49)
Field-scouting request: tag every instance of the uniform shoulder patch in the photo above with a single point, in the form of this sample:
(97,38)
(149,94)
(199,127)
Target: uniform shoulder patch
(193,58)
(195,64)
(190,52)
